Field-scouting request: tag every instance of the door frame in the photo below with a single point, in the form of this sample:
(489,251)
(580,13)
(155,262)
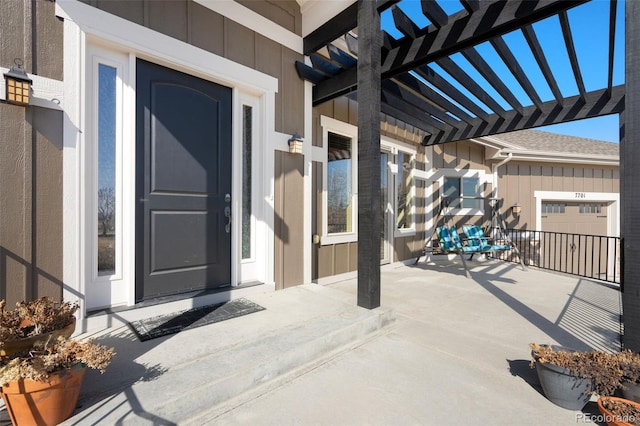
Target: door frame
(86,26)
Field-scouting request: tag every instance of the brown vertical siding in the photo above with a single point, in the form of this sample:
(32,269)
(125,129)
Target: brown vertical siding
(17,37)
(47,232)
(197,25)
(30,159)
(15,204)
(31,203)
(284,13)
(518,180)
(206,29)
(289,222)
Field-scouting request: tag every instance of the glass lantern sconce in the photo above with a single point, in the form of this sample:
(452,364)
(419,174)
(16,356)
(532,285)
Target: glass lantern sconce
(516,209)
(295,144)
(17,85)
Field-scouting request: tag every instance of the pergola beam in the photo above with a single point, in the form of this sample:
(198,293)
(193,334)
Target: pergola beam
(630,181)
(594,104)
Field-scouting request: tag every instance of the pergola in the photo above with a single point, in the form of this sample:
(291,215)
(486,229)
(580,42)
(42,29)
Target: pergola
(404,79)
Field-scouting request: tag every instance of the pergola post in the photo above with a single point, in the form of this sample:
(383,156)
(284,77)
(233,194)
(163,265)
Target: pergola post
(369,220)
(630,180)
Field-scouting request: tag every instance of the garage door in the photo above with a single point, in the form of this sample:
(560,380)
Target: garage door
(567,245)
(575,218)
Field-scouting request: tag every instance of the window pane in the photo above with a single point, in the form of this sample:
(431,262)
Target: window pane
(339,185)
(471,188)
(106,169)
(384,190)
(403,189)
(246,180)
(451,190)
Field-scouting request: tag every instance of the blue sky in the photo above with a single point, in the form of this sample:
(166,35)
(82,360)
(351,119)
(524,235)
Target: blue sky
(589,25)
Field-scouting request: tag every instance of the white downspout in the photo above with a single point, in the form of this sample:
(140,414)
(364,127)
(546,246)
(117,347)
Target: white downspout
(494,184)
(494,172)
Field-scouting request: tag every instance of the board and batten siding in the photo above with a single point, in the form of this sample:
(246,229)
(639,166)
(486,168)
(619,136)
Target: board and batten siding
(30,160)
(335,259)
(197,25)
(518,180)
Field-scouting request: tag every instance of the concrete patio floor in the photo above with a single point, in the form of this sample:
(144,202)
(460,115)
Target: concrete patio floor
(457,354)
(442,350)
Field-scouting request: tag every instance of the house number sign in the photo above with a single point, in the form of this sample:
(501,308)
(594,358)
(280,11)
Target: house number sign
(581,195)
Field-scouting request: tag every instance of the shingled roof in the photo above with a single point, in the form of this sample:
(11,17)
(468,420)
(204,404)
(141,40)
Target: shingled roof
(537,140)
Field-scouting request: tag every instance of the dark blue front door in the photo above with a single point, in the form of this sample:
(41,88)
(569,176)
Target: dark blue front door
(183,184)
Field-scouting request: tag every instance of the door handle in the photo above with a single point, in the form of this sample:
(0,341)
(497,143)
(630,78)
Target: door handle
(227,213)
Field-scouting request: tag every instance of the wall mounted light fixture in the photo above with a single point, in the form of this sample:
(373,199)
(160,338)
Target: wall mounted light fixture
(516,209)
(295,144)
(17,85)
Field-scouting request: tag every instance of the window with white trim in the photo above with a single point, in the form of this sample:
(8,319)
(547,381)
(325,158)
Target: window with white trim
(340,190)
(340,182)
(458,189)
(464,190)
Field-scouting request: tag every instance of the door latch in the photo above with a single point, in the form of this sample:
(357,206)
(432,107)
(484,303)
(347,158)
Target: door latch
(227,213)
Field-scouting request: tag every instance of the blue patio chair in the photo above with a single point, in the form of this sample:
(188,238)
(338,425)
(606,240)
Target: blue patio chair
(476,238)
(450,242)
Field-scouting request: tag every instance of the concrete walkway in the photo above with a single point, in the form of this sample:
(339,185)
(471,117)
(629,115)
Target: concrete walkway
(442,350)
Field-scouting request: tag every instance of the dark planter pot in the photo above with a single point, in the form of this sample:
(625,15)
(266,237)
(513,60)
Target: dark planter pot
(562,388)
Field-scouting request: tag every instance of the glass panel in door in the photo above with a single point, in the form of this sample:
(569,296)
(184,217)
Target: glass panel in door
(385,256)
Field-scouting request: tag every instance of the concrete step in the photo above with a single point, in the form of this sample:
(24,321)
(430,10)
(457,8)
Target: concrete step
(195,374)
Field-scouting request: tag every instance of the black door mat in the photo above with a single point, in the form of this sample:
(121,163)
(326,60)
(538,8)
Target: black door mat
(163,325)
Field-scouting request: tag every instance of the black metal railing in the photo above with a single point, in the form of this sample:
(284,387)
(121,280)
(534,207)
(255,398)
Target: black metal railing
(590,256)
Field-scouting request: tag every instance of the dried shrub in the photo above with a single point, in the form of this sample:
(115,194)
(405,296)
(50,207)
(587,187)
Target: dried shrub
(606,371)
(35,317)
(50,357)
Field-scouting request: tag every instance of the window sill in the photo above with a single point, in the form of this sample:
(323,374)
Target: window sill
(404,232)
(327,240)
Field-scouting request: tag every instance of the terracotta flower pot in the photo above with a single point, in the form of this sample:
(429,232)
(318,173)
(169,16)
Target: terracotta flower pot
(11,347)
(45,403)
(610,418)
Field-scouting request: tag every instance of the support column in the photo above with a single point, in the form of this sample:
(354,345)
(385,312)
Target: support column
(630,180)
(369,220)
